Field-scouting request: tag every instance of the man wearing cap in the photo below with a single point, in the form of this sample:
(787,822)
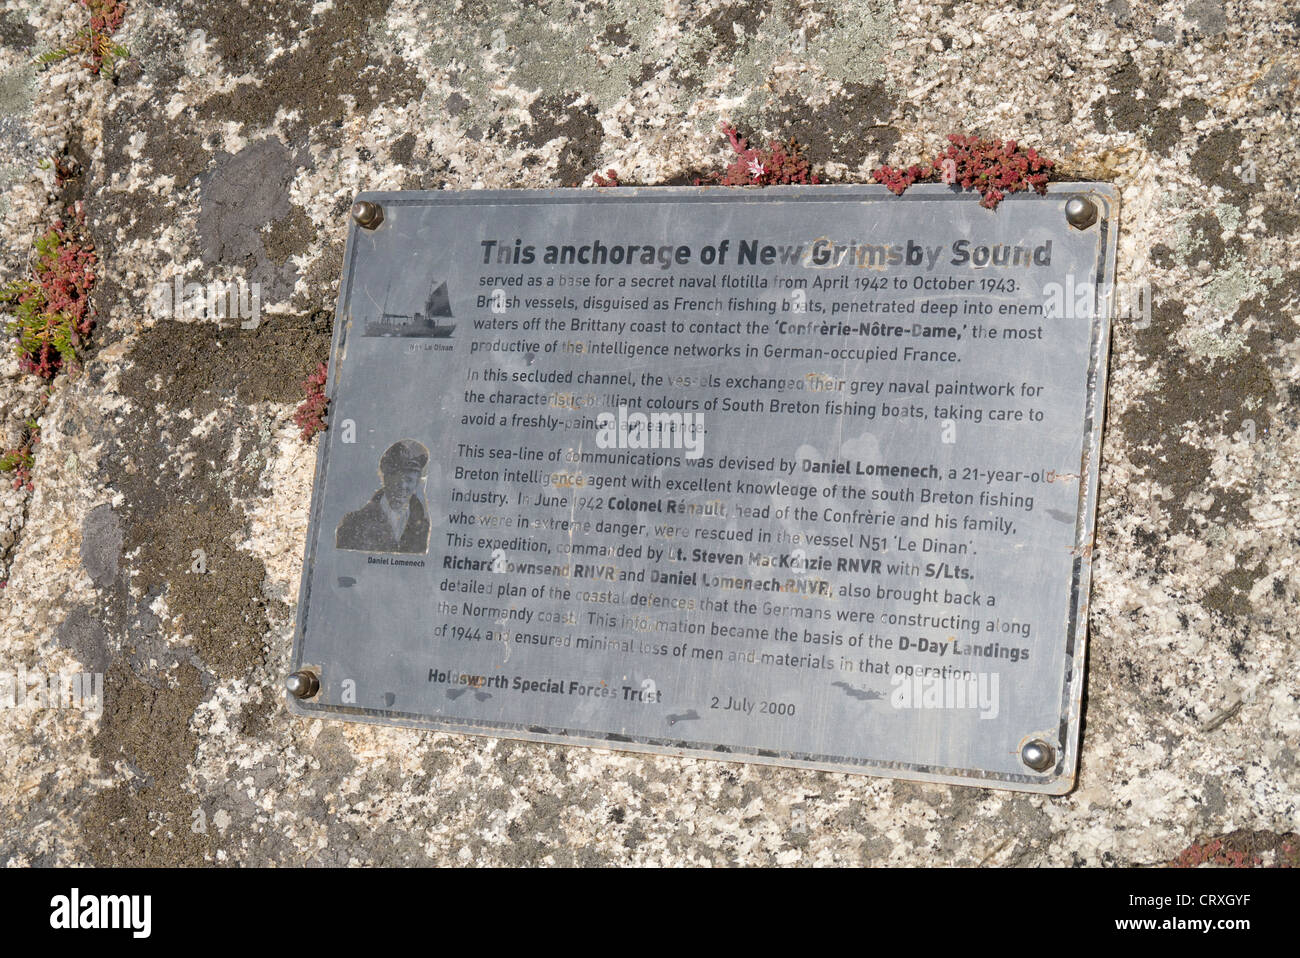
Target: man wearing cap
(394,519)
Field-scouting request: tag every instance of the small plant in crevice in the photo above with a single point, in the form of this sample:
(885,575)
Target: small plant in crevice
(609,179)
(51,310)
(992,166)
(778,164)
(1214,852)
(17,463)
(310,415)
(65,168)
(96,41)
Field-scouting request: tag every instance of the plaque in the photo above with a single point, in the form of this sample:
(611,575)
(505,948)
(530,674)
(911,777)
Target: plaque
(803,476)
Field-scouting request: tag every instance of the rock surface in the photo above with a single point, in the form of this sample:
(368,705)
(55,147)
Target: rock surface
(161,545)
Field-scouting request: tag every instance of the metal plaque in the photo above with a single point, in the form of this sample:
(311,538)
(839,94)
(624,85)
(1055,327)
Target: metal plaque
(804,476)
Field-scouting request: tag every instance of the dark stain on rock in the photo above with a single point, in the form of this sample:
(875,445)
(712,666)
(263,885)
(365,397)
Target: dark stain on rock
(1166,318)
(335,758)
(83,635)
(142,550)
(1216,396)
(1212,798)
(173,145)
(147,819)
(1205,241)
(101,541)
(213,590)
(1122,106)
(1231,594)
(1162,256)
(321,285)
(1219,161)
(1124,110)
(327,62)
(431,174)
(1277,312)
(402,149)
(615,35)
(15,32)
(1193,109)
(1154,547)
(851,127)
(1208,16)
(247,223)
(1281,220)
(731,25)
(288,236)
(256,715)
(649,70)
(456,104)
(166,513)
(552,118)
(1166,130)
(200,365)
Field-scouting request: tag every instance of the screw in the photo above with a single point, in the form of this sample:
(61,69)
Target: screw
(368,215)
(1080,212)
(303,684)
(1038,755)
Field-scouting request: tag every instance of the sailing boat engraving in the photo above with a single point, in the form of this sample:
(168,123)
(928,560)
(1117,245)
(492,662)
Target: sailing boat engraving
(437,305)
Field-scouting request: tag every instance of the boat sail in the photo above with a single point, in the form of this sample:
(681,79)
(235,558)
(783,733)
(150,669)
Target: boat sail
(423,323)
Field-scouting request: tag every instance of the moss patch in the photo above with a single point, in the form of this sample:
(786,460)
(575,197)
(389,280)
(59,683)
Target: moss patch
(851,128)
(1231,595)
(1215,397)
(576,126)
(328,62)
(1133,106)
(290,235)
(146,820)
(1217,162)
(166,513)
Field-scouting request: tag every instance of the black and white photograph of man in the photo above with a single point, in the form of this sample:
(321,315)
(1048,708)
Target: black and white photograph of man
(394,520)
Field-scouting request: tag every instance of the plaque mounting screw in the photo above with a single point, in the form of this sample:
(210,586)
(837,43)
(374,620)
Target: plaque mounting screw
(368,215)
(1038,755)
(303,684)
(1080,212)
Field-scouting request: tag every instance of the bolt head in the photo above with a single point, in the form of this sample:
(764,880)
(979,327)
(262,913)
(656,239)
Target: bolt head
(1038,755)
(368,215)
(1080,212)
(302,684)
